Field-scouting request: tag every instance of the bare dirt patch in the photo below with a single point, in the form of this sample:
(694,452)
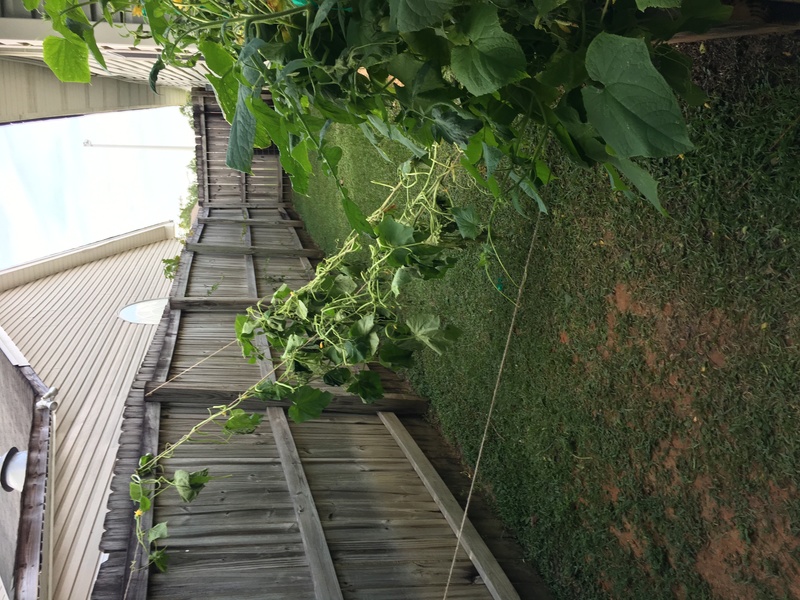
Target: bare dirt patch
(628,538)
(728,562)
(717,562)
(612,491)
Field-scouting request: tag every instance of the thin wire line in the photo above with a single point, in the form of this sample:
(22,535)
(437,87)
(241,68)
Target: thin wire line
(492,405)
(198,363)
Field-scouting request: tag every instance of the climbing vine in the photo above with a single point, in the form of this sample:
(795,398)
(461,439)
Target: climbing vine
(594,75)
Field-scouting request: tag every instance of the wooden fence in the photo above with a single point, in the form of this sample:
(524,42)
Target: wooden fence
(347,506)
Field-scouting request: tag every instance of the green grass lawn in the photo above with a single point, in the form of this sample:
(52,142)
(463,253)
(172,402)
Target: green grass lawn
(646,441)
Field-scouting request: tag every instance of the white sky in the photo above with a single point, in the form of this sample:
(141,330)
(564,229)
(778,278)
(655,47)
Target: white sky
(56,194)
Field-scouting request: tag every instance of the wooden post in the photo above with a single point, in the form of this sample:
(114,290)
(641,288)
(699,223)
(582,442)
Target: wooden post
(266,223)
(28,557)
(254,250)
(323,573)
(492,574)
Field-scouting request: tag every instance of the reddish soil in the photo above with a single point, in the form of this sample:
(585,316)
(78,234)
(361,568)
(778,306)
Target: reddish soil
(628,538)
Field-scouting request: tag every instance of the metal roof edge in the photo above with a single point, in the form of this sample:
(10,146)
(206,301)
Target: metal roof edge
(63,261)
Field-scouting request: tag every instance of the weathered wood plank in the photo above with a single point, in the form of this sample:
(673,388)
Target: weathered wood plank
(493,576)
(28,558)
(326,584)
(137,585)
(168,348)
(267,223)
(253,250)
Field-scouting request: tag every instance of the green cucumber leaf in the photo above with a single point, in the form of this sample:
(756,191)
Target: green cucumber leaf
(635,110)
(68,60)
(492,59)
(368,386)
(413,15)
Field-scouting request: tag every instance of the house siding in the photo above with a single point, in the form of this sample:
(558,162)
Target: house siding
(30,91)
(66,325)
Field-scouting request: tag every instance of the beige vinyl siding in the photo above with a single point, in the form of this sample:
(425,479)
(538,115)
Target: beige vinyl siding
(66,325)
(29,91)
(57,263)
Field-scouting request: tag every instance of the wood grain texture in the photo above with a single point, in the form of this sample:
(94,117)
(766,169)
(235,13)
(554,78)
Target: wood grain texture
(28,561)
(326,583)
(254,250)
(493,576)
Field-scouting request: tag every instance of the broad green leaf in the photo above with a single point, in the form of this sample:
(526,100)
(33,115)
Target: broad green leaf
(344,285)
(30,4)
(474,149)
(218,59)
(188,485)
(565,69)
(676,69)
(543,172)
(252,64)
(155,18)
(337,111)
(157,532)
(372,139)
(361,349)
(300,154)
(60,11)
(356,218)
(270,390)
(294,342)
(159,559)
(390,131)
(394,357)
(452,127)
(367,385)
(617,184)
(332,154)
(413,15)
(68,60)
(308,403)
(635,110)
(338,376)
(394,233)
(492,156)
(226,90)
(242,422)
(322,14)
(243,134)
(136,491)
(641,179)
(401,277)
(529,187)
(427,329)
(85,31)
(245,326)
(297,172)
(268,121)
(469,226)
(415,74)
(363,326)
(493,58)
(145,464)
